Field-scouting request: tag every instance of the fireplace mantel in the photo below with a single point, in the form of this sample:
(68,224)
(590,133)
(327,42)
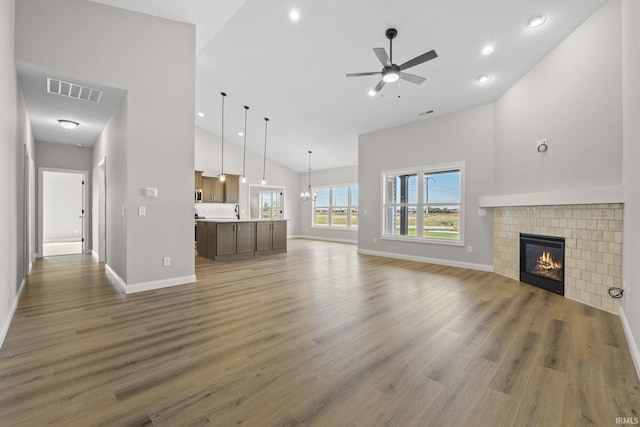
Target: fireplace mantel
(575,196)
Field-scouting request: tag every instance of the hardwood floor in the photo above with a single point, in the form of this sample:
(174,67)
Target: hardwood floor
(319,336)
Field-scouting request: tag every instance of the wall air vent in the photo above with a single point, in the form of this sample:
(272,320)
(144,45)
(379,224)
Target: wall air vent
(71,90)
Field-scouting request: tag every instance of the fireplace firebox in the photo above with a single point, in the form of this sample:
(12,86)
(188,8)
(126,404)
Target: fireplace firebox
(542,262)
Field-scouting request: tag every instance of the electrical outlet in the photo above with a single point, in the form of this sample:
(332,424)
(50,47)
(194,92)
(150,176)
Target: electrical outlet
(166,261)
(142,210)
(469,249)
(375,240)
(482,212)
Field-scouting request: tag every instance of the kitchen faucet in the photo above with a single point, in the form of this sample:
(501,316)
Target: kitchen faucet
(237,210)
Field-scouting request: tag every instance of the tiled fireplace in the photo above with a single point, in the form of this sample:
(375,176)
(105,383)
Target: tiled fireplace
(593,246)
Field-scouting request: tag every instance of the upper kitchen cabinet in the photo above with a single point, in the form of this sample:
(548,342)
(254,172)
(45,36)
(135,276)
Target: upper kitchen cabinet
(198,180)
(212,190)
(215,191)
(232,189)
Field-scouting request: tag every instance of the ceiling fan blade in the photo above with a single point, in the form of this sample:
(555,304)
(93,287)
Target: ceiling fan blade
(363,74)
(382,56)
(412,78)
(379,86)
(419,59)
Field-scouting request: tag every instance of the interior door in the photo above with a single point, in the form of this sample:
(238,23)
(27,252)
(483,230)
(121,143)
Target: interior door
(63,212)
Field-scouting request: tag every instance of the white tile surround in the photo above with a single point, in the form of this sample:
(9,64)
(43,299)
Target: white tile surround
(593,246)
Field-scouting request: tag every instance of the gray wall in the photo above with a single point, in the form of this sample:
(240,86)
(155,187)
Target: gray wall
(573,97)
(16,157)
(207,159)
(327,177)
(160,132)
(631,147)
(465,136)
(112,147)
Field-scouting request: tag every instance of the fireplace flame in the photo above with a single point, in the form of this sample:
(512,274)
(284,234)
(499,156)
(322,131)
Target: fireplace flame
(546,262)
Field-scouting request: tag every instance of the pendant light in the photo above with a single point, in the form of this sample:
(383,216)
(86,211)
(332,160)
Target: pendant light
(264,165)
(244,151)
(222,176)
(306,195)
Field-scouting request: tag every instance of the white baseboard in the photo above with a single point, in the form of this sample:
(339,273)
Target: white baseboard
(12,311)
(115,278)
(95,255)
(147,286)
(326,239)
(633,346)
(159,284)
(460,264)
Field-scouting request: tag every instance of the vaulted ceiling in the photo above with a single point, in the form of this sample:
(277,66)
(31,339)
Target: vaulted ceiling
(293,72)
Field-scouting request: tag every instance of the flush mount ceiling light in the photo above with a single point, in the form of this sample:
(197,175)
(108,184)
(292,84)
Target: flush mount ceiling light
(222,176)
(294,15)
(200,114)
(488,50)
(68,124)
(484,79)
(536,21)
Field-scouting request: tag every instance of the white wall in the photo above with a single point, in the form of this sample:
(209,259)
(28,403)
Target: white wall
(631,173)
(207,159)
(141,54)
(16,140)
(465,136)
(326,177)
(573,98)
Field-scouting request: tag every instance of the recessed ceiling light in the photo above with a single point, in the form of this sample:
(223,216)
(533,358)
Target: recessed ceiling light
(483,79)
(536,21)
(200,114)
(294,15)
(68,124)
(241,133)
(488,50)
(371,92)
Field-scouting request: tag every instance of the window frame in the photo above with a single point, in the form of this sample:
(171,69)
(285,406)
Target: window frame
(349,226)
(420,203)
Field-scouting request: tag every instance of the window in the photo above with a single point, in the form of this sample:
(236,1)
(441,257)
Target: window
(271,204)
(424,204)
(336,207)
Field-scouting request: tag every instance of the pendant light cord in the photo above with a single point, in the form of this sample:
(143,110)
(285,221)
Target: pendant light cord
(244,153)
(264,164)
(222,132)
(309,172)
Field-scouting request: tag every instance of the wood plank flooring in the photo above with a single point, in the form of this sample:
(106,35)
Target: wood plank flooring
(319,336)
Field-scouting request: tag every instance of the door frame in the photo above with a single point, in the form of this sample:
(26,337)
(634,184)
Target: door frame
(40,214)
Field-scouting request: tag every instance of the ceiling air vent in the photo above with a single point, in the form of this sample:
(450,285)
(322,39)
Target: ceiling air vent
(71,90)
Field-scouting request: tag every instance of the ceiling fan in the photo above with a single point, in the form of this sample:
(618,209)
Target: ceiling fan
(392,72)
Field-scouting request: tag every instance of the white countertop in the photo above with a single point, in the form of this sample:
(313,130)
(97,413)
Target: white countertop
(237,220)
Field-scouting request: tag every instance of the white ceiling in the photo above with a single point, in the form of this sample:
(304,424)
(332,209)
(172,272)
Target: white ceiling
(294,72)
(45,109)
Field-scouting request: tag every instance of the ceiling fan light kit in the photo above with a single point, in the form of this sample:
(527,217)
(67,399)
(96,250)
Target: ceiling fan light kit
(391,72)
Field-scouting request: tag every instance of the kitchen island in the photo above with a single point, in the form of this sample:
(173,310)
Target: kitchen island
(240,238)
